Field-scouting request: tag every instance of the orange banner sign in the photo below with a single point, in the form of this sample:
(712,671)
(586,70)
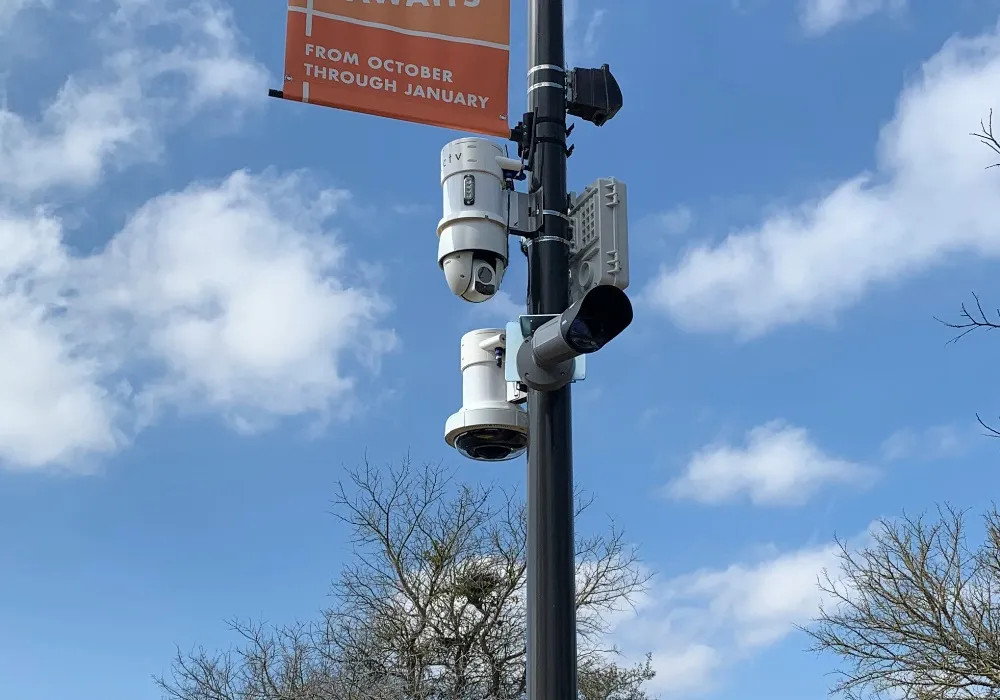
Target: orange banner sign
(440,62)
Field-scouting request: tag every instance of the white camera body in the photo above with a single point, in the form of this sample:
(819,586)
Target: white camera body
(472,235)
(488,428)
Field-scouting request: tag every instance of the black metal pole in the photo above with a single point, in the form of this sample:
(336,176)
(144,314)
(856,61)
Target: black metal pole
(551,662)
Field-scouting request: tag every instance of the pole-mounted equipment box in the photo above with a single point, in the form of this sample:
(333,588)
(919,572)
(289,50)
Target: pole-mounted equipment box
(599,249)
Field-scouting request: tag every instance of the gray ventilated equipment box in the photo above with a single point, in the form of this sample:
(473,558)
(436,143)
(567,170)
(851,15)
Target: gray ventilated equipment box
(599,253)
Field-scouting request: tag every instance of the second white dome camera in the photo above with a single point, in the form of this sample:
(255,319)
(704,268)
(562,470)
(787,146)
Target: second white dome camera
(488,428)
(472,235)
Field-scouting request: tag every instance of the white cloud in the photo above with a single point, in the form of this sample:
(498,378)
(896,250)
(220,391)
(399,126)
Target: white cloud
(676,221)
(582,31)
(938,442)
(591,36)
(498,311)
(119,111)
(762,603)
(684,670)
(209,57)
(80,131)
(697,625)
(778,465)
(231,297)
(52,407)
(929,199)
(820,16)
(53,410)
(238,291)
(10,8)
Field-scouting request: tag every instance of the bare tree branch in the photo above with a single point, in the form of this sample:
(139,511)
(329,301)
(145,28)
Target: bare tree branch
(971,320)
(985,136)
(914,615)
(430,607)
(976,319)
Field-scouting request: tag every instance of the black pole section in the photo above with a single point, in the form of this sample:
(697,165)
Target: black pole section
(551,566)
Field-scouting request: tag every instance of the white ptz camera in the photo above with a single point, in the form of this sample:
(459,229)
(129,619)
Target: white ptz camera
(488,428)
(472,235)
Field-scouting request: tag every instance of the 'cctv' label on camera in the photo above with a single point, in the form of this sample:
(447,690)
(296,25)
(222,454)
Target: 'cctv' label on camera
(440,62)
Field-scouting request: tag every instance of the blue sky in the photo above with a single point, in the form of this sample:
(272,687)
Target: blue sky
(212,302)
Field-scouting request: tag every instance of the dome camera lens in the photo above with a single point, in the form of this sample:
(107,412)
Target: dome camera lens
(485,274)
(492,444)
(490,453)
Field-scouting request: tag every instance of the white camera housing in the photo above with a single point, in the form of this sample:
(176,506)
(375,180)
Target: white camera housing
(472,235)
(488,428)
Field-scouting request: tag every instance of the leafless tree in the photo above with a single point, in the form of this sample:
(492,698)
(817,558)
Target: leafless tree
(976,318)
(608,681)
(268,664)
(916,614)
(431,605)
(986,137)
(969,321)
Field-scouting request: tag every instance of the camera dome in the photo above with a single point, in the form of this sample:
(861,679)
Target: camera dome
(489,434)
(492,444)
(473,275)
(488,428)
(472,234)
